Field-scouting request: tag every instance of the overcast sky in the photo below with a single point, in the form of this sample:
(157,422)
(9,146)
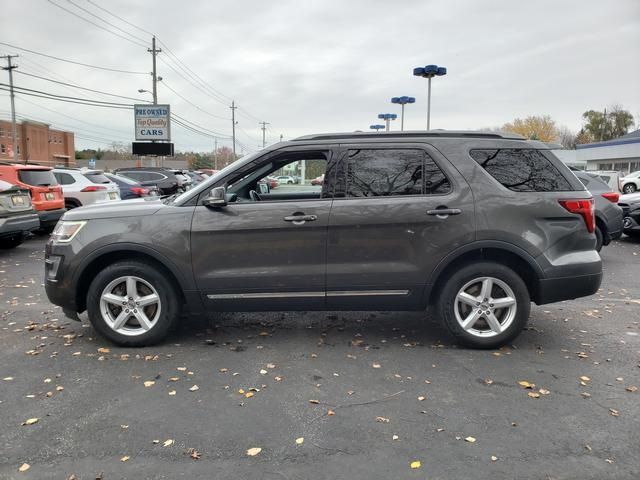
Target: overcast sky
(318,66)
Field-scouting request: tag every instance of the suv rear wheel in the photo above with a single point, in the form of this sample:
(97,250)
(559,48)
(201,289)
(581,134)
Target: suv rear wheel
(629,188)
(484,305)
(132,304)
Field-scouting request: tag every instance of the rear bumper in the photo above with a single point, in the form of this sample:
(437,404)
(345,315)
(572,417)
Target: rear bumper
(567,288)
(19,224)
(48,218)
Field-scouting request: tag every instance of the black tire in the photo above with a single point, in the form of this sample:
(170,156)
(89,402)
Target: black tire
(629,188)
(599,238)
(42,231)
(71,204)
(446,303)
(170,302)
(11,242)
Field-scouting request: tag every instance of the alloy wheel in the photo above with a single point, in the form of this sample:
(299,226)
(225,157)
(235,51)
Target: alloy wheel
(130,305)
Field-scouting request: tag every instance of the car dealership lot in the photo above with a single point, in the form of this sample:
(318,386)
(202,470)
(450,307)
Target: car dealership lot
(369,393)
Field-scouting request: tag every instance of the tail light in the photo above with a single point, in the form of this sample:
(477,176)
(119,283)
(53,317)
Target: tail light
(584,207)
(613,197)
(141,192)
(93,189)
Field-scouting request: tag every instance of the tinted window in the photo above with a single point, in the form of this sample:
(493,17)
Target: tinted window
(141,176)
(522,170)
(37,177)
(122,180)
(97,178)
(64,178)
(385,172)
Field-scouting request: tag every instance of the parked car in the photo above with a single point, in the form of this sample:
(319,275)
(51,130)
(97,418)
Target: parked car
(46,194)
(273,182)
(612,178)
(630,204)
(608,213)
(85,186)
(165,181)
(130,188)
(631,183)
(319,180)
(286,179)
(17,216)
(184,181)
(476,224)
(196,177)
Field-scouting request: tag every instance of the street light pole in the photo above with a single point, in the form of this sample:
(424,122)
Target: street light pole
(153,51)
(376,127)
(402,101)
(387,117)
(429,72)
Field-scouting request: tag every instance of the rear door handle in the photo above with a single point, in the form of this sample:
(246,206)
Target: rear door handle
(300,219)
(443,212)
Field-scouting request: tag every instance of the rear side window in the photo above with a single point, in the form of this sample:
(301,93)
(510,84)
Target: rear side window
(97,178)
(392,172)
(37,177)
(522,170)
(64,178)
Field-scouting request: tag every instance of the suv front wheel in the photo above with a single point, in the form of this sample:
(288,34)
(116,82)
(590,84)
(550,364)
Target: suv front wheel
(132,304)
(484,305)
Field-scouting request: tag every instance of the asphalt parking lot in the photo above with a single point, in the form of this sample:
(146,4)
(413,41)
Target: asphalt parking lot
(323,395)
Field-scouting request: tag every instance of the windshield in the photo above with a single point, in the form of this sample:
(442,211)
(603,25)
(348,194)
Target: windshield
(37,178)
(213,178)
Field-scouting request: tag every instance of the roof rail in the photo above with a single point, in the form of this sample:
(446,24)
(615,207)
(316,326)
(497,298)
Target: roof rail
(21,163)
(412,134)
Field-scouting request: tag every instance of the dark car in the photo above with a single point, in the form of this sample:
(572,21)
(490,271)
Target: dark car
(17,216)
(476,224)
(163,179)
(608,213)
(630,205)
(130,188)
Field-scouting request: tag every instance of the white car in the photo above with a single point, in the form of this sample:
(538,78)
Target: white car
(286,179)
(84,187)
(631,183)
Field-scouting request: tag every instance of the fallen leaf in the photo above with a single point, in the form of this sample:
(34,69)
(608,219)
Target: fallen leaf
(533,394)
(193,453)
(331,413)
(24,467)
(248,394)
(125,458)
(168,443)
(149,383)
(182,369)
(299,441)
(586,395)
(420,399)
(488,381)
(59,388)
(376,365)
(439,429)
(416,464)
(172,392)
(103,350)
(544,391)
(631,388)
(8,379)
(395,437)
(584,378)
(494,458)
(470,440)
(525,384)
(173,379)
(30,421)
(315,402)
(252,452)
(277,379)
(263,372)
(195,388)
(614,412)
(608,460)
(382,420)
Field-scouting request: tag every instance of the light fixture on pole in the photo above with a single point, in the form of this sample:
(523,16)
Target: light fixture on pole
(387,117)
(376,127)
(429,72)
(403,101)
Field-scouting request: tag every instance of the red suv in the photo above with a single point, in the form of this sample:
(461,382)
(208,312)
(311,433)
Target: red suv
(46,194)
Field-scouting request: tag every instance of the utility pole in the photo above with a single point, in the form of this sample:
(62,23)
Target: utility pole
(264,129)
(154,51)
(233,127)
(281,137)
(14,134)
(215,154)
(604,125)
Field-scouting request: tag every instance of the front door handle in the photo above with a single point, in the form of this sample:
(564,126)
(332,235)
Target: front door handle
(299,219)
(444,212)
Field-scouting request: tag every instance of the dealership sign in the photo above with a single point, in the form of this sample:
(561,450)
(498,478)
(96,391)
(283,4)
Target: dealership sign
(152,122)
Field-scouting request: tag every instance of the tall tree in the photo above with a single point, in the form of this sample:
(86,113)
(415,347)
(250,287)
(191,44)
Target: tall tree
(614,124)
(566,137)
(534,127)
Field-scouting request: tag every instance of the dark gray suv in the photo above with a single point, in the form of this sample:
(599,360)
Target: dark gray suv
(476,224)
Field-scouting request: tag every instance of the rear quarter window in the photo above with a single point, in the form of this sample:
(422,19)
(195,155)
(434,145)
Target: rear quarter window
(97,178)
(37,177)
(521,170)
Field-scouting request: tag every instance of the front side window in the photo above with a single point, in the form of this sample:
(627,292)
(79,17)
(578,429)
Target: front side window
(391,172)
(521,170)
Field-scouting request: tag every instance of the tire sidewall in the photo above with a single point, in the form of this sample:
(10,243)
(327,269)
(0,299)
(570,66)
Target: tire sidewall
(166,291)
(447,296)
(599,238)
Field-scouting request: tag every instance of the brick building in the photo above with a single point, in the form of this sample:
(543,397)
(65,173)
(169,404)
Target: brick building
(37,143)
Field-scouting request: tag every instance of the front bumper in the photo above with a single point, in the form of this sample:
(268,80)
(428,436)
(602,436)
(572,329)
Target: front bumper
(19,224)
(49,218)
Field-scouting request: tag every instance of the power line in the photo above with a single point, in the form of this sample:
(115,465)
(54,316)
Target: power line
(128,105)
(164,83)
(105,21)
(81,88)
(192,82)
(117,70)
(96,24)
(120,18)
(65,100)
(200,127)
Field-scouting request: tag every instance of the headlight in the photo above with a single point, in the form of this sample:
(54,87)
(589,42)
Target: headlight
(65,231)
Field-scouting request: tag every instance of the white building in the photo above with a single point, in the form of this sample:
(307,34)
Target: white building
(621,154)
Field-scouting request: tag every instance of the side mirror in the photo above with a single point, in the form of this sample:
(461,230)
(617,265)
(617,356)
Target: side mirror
(217,198)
